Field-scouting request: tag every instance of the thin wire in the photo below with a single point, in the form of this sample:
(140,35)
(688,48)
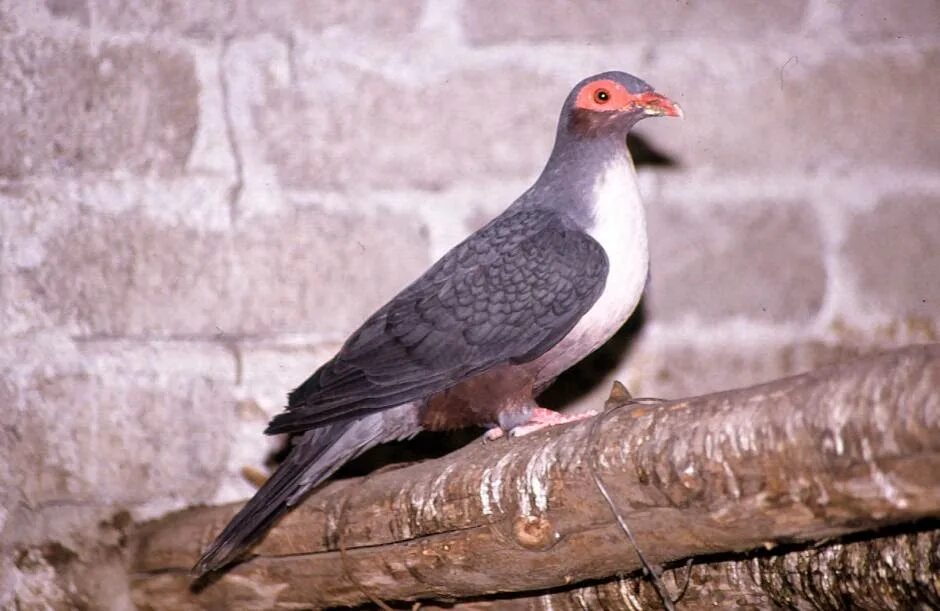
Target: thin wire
(685,582)
(648,568)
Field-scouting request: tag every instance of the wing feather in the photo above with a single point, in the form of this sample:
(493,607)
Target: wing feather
(506,294)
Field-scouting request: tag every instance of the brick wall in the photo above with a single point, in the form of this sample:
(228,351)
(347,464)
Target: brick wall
(198,200)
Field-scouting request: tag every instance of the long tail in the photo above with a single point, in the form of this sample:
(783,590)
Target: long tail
(316,455)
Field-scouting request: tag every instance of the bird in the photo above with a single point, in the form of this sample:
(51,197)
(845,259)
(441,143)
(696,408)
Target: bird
(476,338)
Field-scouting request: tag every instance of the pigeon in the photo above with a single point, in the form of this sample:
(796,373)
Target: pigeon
(476,338)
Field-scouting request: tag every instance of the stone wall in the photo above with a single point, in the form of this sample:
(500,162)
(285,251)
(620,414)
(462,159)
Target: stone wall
(199,200)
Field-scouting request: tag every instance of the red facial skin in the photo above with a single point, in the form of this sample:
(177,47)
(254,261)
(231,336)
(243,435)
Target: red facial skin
(606,96)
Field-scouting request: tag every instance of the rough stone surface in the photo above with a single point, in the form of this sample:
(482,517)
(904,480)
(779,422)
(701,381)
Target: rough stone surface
(157,414)
(317,137)
(114,273)
(326,273)
(888,19)
(93,430)
(16,16)
(76,10)
(894,254)
(199,200)
(761,261)
(213,18)
(67,109)
(798,110)
(204,19)
(382,20)
(86,574)
(487,21)
(117,273)
(270,370)
(673,370)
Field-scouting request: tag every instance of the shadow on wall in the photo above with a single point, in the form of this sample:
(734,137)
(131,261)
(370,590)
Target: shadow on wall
(646,155)
(583,378)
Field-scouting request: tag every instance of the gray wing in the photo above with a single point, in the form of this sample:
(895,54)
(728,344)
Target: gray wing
(506,294)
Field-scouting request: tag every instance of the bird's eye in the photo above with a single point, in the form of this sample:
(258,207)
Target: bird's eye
(601,96)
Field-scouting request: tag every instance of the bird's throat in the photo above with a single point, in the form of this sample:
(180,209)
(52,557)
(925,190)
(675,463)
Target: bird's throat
(571,177)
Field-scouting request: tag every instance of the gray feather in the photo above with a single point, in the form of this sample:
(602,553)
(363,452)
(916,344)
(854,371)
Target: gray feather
(505,295)
(315,456)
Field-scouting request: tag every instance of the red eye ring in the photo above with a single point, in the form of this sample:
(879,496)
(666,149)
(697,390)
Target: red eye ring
(601,96)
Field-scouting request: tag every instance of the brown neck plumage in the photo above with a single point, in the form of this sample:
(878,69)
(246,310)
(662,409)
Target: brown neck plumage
(594,124)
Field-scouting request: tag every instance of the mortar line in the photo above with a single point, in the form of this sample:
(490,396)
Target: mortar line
(235,191)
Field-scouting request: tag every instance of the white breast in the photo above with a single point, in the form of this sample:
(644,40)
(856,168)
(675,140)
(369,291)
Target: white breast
(620,227)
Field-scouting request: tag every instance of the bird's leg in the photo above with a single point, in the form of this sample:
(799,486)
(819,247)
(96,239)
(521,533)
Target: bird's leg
(522,416)
(539,418)
(542,418)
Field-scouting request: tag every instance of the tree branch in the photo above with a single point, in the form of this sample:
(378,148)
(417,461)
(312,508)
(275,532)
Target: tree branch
(840,450)
(887,572)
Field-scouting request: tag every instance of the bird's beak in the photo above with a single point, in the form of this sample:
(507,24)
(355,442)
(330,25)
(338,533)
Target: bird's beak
(657,105)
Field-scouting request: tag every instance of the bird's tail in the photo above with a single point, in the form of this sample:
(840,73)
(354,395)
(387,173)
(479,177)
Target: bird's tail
(316,455)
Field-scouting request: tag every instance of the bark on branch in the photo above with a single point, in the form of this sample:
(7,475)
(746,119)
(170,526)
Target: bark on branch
(887,572)
(836,451)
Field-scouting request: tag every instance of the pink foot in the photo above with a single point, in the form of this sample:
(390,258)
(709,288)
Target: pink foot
(493,434)
(542,418)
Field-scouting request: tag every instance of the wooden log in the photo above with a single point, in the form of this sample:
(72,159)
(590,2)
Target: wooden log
(840,450)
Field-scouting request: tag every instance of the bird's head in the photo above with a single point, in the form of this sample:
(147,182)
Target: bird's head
(610,103)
